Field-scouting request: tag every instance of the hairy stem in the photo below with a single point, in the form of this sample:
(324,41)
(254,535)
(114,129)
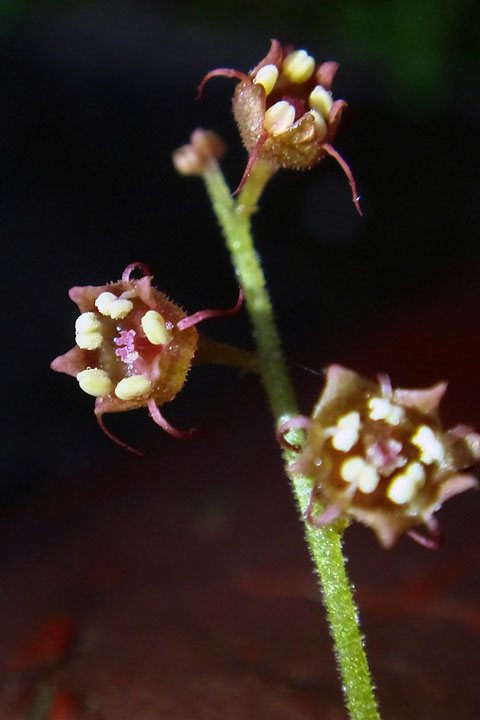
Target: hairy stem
(325,547)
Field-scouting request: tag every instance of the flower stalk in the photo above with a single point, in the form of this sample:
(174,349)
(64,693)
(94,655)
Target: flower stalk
(234,217)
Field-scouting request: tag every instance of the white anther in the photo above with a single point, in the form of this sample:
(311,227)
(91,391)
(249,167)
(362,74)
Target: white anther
(87,322)
(132,387)
(346,432)
(95,381)
(321,100)
(103,302)
(267,76)
(89,340)
(358,472)
(431,449)
(320,124)
(279,117)
(88,331)
(383,409)
(403,487)
(119,309)
(298,66)
(155,329)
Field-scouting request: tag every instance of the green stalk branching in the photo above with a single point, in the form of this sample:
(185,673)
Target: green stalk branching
(234,217)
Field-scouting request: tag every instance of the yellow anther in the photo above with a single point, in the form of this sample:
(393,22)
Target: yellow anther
(95,382)
(133,387)
(383,409)
(89,340)
(87,322)
(267,76)
(431,449)
(403,487)
(358,472)
(88,331)
(155,329)
(320,124)
(320,100)
(346,433)
(298,66)
(119,309)
(279,117)
(103,302)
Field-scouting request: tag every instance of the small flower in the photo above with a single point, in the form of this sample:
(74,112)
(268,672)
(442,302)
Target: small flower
(134,347)
(285,110)
(381,457)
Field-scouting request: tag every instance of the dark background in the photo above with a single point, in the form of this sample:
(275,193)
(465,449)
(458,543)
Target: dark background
(203,537)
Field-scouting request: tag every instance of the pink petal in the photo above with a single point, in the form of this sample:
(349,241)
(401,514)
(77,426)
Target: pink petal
(427,401)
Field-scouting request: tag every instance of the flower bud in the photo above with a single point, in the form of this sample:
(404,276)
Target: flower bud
(205,148)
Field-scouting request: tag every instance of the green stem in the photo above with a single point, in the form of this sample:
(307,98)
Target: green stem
(324,544)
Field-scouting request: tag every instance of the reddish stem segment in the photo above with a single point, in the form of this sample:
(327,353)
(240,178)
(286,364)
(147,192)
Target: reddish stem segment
(207,314)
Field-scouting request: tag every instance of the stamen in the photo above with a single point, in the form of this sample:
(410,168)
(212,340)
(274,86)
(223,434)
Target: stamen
(267,76)
(155,329)
(298,66)
(95,382)
(132,387)
(119,309)
(360,473)
(383,409)
(88,335)
(103,302)
(431,449)
(320,124)
(403,487)
(346,433)
(279,117)
(320,100)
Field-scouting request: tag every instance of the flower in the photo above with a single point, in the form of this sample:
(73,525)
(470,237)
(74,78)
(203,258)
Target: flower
(285,111)
(381,457)
(134,347)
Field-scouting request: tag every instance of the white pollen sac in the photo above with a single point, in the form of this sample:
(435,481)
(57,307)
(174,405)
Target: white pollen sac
(119,309)
(403,487)
(320,124)
(155,328)
(346,432)
(298,66)
(133,387)
(431,449)
(103,302)
(358,472)
(88,331)
(89,340)
(95,381)
(383,409)
(267,76)
(279,117)
(87,322)
(321,100)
